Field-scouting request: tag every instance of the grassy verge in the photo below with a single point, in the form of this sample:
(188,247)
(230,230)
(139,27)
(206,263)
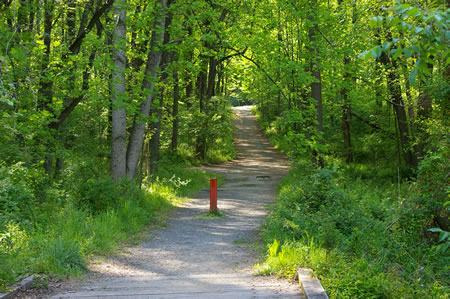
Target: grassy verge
(356,235)
(56,237)
(364,233)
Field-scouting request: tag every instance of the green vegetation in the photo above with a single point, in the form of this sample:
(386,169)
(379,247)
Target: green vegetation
(361,107)
(58,228)
(104,105)
(210,214)
(362,238)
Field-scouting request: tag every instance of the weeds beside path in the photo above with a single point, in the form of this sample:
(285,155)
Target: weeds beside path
(205,256)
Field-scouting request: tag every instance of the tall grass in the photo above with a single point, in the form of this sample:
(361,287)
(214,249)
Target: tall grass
(360,236)
(86,217)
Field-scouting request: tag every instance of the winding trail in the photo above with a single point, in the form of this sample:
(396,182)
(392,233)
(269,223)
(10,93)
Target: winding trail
(195,257)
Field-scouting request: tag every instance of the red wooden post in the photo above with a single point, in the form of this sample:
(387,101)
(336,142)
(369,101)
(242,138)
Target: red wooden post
(213,195)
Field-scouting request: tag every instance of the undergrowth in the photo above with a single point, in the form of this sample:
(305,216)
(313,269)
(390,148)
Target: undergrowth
(364,231)
(364,239)
(53,228)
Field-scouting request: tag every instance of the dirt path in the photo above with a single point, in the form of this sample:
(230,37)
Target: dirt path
(204,258)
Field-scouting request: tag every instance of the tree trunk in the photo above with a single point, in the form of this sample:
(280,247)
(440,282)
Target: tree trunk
(211,78)
(151,72)
(175,119)
(119,125)
(316,87)
(156,127)
(156,135)
(346,118)
(400,113)
(70,23)
(46,81)
(346,106)
(423,113)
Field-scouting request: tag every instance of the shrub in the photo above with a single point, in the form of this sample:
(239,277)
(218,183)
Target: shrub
(356,234)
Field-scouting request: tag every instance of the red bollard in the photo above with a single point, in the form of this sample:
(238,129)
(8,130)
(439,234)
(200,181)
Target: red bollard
(213,195)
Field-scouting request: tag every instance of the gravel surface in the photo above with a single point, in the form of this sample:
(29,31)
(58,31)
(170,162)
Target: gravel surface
(197,257)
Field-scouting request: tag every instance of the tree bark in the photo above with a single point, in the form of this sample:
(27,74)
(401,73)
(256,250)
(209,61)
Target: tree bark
(46,82)
(423,113)
(400,113)
(175,118)
(156,127)
(151,72)
(316,87)
(119,128)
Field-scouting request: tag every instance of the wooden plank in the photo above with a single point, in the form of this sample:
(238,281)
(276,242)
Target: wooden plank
(311,285)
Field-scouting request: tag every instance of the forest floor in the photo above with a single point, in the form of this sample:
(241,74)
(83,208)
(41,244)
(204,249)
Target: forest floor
(196,256)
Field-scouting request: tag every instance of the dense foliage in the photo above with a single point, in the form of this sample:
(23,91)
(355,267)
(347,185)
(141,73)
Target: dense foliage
(372,219)
(99,99)
(364,235)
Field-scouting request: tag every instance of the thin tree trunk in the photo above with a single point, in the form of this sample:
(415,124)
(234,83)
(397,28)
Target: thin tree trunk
(151,72)
(119,125)
(46,81)
(156,127)
(346,107)
(423,114)
(156,135)
(175,118)
(70,23)
(400,115)
(203,91)
(346,116)
(316,87)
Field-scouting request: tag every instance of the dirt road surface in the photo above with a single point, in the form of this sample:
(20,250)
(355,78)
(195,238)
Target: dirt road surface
(195,257)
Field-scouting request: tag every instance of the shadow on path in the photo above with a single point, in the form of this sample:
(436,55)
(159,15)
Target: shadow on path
(205,258)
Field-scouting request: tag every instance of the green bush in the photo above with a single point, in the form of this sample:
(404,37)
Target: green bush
(358,235)
(17,195)
(99,194)
(63,257)
(432,189)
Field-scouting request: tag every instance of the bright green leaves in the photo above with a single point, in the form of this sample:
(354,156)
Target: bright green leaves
(376,21)
(18,53)
(376,52)
(412,76)
(406,10)
(418,35)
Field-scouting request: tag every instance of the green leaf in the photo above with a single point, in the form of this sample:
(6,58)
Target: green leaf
(18,53)
(418,30)
(376,52)
(443,236)
(407,52)
(364,54)
(375,22)
(413,12)
(435,230)
(412,77)
(443,247)
(415,48)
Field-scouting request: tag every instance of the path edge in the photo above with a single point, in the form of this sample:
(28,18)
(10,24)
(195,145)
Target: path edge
(23,285)
(310,284)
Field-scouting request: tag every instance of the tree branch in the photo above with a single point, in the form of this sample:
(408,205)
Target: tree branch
(262,70)
(376,127)
(76,45)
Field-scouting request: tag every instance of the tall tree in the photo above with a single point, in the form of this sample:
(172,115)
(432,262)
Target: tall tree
(316,84)
(150,77)
(119,121)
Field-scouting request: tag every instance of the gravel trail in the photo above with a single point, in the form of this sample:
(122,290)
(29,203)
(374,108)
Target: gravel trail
(194,257)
